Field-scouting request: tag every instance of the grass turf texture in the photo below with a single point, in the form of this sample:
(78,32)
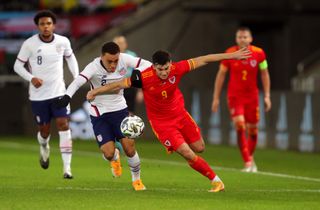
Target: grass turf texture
(291,181)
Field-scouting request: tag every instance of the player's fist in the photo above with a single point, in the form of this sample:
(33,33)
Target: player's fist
(62,101)
(91,95)
(36,82)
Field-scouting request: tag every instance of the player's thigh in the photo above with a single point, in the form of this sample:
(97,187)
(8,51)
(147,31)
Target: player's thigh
(168,134)
(41,112)
(103,131)
(252,113)
(191,133)
(236,106)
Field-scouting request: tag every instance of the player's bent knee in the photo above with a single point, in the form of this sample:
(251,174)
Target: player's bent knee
(240,125)
(130,153)
(62,124)
(199,148)
(107,154)
(253,131)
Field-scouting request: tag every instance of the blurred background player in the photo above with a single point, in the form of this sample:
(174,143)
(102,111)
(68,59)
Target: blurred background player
(132,95)
(170,121)
(107,111)
(44,53)
(243,94)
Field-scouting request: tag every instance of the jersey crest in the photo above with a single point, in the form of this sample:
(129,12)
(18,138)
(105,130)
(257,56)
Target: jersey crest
(59,48)
(253,63)
(122,71)
(167,143)
(172,79)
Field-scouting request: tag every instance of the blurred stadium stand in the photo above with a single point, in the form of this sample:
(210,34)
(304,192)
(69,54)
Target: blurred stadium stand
(287,30)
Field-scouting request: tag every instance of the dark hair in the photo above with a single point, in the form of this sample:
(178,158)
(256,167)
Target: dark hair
(161,57)
(111,48)
(45,13)
(244,28)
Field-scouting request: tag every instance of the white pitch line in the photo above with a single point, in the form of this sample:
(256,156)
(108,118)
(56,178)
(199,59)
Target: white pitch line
(164,189)
(14,145)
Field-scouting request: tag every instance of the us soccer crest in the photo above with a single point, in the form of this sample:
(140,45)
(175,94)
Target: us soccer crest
(99,138)
(253,63)
(59,48)
(122,71)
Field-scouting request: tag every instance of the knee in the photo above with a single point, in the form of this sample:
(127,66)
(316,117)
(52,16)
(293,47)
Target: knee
(130,153)
(252,131)
(108,154)
(44,133)
(240,125)
(62,124)
(199,148)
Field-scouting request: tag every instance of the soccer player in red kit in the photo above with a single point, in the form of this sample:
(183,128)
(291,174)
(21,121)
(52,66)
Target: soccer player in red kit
(171,123)
(243,94)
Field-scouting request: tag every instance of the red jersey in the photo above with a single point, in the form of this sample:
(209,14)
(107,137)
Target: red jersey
(163,98)
(243,73)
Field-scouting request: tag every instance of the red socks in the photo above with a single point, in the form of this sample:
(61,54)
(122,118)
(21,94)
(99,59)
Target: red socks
(253,138)
(242,142)
(200,165)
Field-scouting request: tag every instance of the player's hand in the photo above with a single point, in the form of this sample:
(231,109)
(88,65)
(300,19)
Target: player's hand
(36,82)
(215,105)
(62,101)
(243,53)
(267,103)
(91,95)
(139,96)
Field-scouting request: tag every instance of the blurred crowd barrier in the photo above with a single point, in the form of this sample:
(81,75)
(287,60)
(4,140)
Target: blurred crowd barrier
(292,124)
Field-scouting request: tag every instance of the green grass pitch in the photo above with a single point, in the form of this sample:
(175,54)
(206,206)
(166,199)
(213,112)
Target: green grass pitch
(287,180)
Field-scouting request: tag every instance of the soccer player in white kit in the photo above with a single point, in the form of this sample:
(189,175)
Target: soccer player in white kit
(107,111)
(44,53)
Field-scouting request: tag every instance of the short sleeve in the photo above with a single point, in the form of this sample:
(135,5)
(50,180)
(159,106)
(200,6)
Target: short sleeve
(183,66)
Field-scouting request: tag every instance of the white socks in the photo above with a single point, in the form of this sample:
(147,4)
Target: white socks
(134,164)
(216,179)
(42,141)
(116,154)
(66,150)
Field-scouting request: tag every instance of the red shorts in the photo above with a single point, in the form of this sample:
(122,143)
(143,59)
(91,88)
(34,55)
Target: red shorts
(246,106)
(174,132)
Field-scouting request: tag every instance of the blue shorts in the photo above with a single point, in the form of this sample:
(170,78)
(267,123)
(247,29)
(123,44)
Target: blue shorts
(107,126)
(44,111)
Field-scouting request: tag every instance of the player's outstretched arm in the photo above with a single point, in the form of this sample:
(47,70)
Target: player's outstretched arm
(109,88)
(203,60)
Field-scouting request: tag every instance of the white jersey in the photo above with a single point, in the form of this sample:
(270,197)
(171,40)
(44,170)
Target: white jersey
(45,61)
(98,76)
